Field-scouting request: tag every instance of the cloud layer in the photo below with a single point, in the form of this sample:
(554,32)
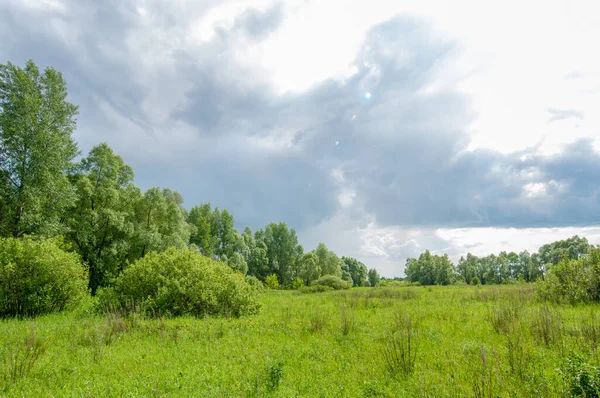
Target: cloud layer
(387,146)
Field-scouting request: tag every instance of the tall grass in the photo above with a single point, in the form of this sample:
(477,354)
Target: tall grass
(400,346)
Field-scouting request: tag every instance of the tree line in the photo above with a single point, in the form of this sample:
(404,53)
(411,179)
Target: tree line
(94,204)
(431,269)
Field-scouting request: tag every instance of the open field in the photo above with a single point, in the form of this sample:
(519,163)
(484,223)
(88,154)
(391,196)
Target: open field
(393,341)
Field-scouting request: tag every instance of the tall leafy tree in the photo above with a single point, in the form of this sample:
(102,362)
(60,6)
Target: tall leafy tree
(283,251)
(160,222)
(309,268)
(256,255)
(102,222)
(204,231)
(329,262)
(36,149)
(358,271)
(374,277)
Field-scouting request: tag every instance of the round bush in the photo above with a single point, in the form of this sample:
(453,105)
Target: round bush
(181,282)
(255,282)
(38,277)
(332,281)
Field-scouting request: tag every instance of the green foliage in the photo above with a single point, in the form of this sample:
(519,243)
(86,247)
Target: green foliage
(36,149)
(582,379)
(374,277)
(475,281)
(274,376)
(358,271)
(160,223)
(37,277)
(309,270)
(204,232)
(182,282)
(102,224)
(573,281)
(255,282)
(297,284)
(283,251)
(333,282)
(329,262)
(272,282)
(316,289)
(430,269)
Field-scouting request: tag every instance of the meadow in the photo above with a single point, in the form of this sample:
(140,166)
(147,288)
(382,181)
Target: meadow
(484,341)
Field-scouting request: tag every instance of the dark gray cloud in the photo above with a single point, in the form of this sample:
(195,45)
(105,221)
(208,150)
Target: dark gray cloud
(562,114)
(188,115)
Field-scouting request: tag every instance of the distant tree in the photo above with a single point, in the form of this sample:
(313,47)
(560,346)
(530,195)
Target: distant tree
(346,275)
(310,270)
(467,268)
(430,269)
(373,277)
(256,255)
(572,248)
(283,251)
(36,149)
(358,271)
(330,263)
(204,231)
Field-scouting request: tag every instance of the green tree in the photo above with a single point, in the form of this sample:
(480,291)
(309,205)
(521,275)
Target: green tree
(36,149)
(160,222)
(358,271)
(467,268)
(204,231)
(102,222)
(329,262)
(572,248)
(256,255)
(310,270)
(373,277)
(283,251)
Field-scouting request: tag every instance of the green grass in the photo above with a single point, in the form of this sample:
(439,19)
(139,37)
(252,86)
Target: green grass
(366,342)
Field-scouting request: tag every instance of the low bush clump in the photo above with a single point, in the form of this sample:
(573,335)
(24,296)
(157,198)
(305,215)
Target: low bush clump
(38,277)
(255,282)
(333,282)
(181,282)
(315,289)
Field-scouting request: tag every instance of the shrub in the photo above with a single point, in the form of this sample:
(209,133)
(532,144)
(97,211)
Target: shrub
(572,281)
(272,282)
(255,282)
(297,284)
(37,277)
(332,281)
(582,379)
(181,282)
(475,281)
(315,289)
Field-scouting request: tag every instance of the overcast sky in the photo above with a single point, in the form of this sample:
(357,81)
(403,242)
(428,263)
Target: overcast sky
(379,128)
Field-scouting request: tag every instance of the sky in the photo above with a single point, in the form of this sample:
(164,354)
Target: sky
(380,128)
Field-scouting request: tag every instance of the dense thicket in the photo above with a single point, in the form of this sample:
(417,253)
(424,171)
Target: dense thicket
(181,282)
(38,277)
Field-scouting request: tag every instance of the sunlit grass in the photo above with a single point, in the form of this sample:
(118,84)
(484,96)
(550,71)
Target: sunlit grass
(402,341)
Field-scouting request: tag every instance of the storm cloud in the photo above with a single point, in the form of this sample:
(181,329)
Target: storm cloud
(384,145)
